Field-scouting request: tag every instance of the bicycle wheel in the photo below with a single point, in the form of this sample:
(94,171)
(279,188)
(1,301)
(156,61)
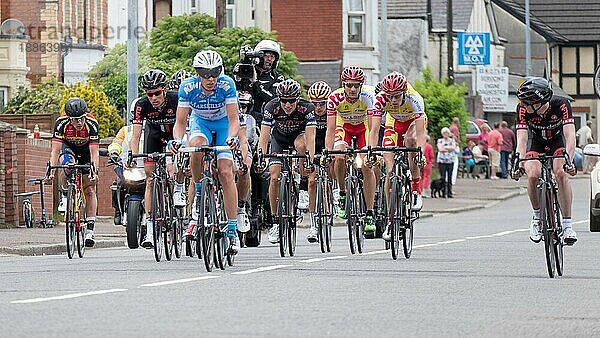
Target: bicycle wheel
(321,205)
(291,233)
(28,214)
(70,223)
(169,231)
(407,231)
(81,226)
(157,218)
(283,214)
(360,207)
(557,242)
(330,212)
(221,244)
(351,214)
(395,209)
(206,222)
(547,233)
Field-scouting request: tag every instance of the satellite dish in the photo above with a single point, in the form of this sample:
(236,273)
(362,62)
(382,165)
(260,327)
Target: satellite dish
(597,81)
(12,27)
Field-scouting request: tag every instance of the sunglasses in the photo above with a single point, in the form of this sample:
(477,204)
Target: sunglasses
(319,103)
(289,100)
(77,119)
(207,73)
(155,93)
(352,85)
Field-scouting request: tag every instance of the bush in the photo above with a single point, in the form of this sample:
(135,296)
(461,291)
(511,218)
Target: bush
(443,102)
(108,118)
(43,98)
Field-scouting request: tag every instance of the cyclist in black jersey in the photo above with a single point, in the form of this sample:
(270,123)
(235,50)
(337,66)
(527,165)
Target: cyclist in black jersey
(287,119)
(156,113)
(545,125)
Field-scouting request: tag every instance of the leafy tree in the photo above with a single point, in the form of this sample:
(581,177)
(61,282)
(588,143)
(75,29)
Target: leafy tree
(98,104)
(43,98)
(443,102)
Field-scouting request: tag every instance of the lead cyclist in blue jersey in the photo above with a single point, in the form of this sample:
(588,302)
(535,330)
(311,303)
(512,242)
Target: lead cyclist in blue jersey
(211,100)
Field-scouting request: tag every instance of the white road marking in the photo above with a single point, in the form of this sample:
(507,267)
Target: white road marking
(261,269)
(73,295)
(453,241)
(580,222)
(177,281)
(313,260)
(373,252)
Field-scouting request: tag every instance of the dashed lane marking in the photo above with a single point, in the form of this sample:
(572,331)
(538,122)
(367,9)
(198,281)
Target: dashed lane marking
(178,281)
(72,295)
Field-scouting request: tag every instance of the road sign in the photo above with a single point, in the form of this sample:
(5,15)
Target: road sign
(492,86)
(473,48)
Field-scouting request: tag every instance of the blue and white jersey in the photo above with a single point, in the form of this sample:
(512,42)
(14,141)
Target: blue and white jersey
(209,107)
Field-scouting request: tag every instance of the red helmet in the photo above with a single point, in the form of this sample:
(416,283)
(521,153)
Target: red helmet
(394,82)
(353,73)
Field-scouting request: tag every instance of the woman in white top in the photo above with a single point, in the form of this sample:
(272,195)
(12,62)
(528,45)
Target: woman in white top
(445,159)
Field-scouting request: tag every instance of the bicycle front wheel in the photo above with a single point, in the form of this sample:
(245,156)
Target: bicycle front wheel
(557,243)
(321,215)
(329,212)
(206,223)
(407,231)
(169,221)
(360,208)
(28,216)
(178,232)
(351,215)
(81,226)
(547,231)
(70,223)
(283,214)
(395,210)
(157,218)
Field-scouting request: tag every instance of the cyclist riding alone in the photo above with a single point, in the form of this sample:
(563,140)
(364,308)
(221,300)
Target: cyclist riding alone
(404,113)
(210,100)
(349,111)
(75,141)
(156,113)
(289,123)
(318,94)
(545,124)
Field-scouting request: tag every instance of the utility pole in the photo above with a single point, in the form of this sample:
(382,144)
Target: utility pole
(132,54)
(527,41)
(221,14)
(449,42)
(384,39)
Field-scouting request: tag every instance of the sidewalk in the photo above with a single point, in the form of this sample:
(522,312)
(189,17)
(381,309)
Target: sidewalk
(469,194)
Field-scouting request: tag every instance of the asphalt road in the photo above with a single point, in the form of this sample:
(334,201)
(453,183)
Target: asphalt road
(471,274)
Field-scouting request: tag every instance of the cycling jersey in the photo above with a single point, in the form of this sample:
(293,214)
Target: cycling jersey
(351,118)
(212,106)
(550,125)
(67,134)
(161,119)
(288,126)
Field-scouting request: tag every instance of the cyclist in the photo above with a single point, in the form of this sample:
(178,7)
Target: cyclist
(545,124)
(404,126)
(156,112)
(349,112)
(75,141)
(211,101)
(243,179)
(177,78)
(289,122)
(318,94)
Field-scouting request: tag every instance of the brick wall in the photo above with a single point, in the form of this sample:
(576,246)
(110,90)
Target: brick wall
(44,121)
(310,28)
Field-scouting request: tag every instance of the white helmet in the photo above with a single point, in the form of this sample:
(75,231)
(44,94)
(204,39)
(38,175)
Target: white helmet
(269,46)
(207,59)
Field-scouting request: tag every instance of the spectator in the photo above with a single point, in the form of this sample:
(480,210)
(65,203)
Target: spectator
(585,137)
(508,146)
(454,129)
(426,171)
(494,147)
(485,134)
(468,157)
(480,158)
(445,158)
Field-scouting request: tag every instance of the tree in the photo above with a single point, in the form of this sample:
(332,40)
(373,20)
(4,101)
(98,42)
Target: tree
(442,103)
(43,98)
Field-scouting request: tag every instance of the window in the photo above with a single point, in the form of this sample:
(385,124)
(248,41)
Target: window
(576,66)
(3,97)
(193,7)
(356,21)
(230,13)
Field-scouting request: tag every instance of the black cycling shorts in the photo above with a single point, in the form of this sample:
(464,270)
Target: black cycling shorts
(548,147)
(279,144)
(80,154)
(155,140)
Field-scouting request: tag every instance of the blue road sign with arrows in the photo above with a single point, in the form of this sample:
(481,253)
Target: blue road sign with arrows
(473,48)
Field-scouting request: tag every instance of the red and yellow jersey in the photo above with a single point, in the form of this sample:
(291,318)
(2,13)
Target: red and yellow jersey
(65,132)
(410,109)
(351,113)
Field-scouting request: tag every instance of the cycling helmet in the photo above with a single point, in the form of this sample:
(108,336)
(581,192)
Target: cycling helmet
(177,78)
(208,59)
(288,88)
(319,90)
(245,99)
(353,73)
(269,46)
(378,88)
(75,107)
(535,90)
(153,79)
(394,82)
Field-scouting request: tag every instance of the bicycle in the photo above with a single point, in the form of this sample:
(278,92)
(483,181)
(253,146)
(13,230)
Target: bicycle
(401,215)
(550,215)
(287,200)
(162,205)
(324,203)
(28,210)
(75,214)
(211,231)
(182,213)
(355,198)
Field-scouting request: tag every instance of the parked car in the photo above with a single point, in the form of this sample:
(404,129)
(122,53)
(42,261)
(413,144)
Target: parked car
(474,129)
(594,150)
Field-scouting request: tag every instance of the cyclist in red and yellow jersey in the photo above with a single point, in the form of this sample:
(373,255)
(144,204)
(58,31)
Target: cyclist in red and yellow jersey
(349,112)
(404,125)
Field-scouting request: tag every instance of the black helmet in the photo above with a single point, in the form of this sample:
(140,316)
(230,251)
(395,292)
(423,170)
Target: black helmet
(535,90)
(288,88)
(153,79)
(177,79)
(75,107)
(378,87)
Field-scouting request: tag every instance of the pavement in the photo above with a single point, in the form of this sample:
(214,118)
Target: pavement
(469,194)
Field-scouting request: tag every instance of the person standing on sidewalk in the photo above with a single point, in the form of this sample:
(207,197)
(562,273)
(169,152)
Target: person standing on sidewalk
(456,135)
(508,146)
(585,137)
(495,142)
(445,158)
